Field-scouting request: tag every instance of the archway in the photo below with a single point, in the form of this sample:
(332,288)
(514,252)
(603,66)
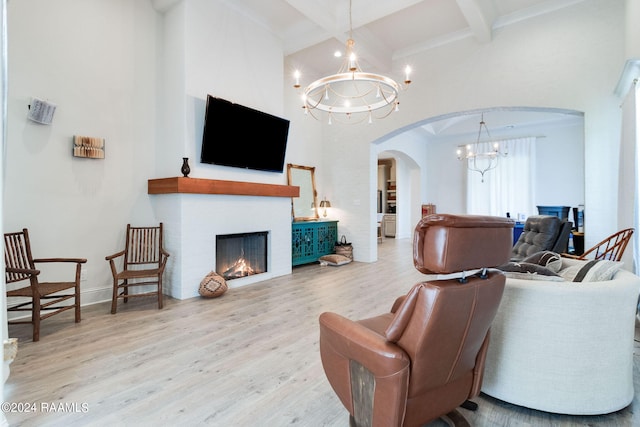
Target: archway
(427,150)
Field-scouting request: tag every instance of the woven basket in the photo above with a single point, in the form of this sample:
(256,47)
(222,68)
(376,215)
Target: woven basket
(213,285)
(344,250)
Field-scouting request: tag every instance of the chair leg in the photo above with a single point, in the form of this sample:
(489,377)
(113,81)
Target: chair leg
(467,404)
(160,294)
(125,290)
(114,297)
(77,299)
(35,318)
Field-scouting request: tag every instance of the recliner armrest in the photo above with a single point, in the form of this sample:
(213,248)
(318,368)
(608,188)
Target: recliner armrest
(397,303)
(356,342)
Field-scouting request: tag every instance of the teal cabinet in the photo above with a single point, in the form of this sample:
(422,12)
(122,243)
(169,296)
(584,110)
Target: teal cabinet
(312,239)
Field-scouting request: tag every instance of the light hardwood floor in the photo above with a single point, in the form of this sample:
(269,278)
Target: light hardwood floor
(249,358)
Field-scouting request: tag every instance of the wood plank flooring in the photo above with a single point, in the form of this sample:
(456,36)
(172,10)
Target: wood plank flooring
(249,358)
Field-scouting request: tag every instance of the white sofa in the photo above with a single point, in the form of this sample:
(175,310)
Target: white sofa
(564,347)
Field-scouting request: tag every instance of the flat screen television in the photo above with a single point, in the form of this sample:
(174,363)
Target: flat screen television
(241,137)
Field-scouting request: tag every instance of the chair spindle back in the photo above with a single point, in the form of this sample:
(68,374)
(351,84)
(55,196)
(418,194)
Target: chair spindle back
(143,245)
(17,254)
(613,247)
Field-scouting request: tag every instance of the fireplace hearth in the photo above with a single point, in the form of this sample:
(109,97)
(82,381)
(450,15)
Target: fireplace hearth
(241,255)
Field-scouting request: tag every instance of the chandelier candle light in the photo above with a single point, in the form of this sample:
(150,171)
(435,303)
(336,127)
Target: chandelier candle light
(351,95)
(478,160)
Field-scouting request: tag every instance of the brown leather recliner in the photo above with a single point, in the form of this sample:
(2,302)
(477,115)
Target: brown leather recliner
(426,357)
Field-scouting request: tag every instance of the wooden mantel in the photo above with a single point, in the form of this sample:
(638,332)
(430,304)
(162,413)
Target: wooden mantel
(181,184)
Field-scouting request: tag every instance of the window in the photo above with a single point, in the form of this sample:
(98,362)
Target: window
(507,188)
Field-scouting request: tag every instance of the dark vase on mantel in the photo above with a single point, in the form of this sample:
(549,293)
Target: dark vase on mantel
(185,167)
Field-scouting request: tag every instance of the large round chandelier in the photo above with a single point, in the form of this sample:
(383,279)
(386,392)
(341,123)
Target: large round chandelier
(352,95)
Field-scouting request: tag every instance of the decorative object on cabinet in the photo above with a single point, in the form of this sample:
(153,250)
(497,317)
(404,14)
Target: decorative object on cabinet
(312,239)
(428,209)
(325,204)
(304,207)
(185,169)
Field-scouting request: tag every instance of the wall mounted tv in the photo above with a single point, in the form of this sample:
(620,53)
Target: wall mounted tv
(241,137)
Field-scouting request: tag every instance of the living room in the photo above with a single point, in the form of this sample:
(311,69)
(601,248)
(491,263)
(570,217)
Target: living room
(137,74)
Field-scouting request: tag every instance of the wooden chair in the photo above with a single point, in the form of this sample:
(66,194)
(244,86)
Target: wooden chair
(144,259)
(612,248)
(40,296)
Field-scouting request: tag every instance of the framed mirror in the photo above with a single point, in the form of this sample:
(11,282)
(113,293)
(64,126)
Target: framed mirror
(305,207)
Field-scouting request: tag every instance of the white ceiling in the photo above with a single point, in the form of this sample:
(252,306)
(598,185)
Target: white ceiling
(386,31)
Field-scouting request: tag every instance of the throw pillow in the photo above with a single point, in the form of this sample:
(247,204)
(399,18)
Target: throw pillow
(529,271)
(213,285)
(551,260)
(334,260)
(592,271)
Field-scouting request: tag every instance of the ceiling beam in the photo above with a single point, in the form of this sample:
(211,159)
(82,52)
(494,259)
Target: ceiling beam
(480,16)
(499,22)
(336,24)
(321,17)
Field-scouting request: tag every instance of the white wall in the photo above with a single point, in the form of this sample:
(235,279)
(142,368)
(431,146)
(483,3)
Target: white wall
(96,61)
(209,48)
(560,167)
(570,59)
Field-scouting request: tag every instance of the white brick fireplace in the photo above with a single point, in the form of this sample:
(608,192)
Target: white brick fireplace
(192,221)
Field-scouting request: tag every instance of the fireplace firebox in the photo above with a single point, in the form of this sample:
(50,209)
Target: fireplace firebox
(241,255)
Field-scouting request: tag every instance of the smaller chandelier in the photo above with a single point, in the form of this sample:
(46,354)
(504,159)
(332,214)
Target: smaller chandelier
(481,157)
(351,95)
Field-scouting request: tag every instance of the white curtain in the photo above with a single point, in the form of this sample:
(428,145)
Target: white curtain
(507,188)
(629,176)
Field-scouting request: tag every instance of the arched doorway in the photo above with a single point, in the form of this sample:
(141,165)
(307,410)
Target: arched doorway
(425,155)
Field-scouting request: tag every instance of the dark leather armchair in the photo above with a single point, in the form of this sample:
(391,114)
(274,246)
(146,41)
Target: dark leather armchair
(426,357)
(542,233)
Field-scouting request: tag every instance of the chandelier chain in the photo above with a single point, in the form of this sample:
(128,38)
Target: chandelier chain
(350,19)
